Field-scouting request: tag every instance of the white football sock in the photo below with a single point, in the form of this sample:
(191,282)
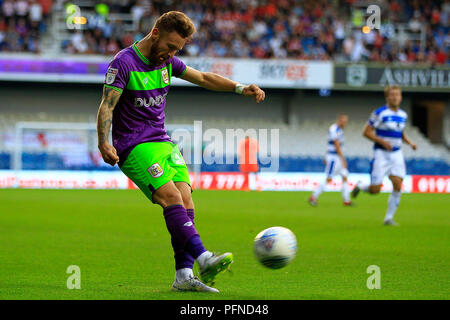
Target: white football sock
(201,259)
(345,192)
(183,274)
(393,202)
(319,190)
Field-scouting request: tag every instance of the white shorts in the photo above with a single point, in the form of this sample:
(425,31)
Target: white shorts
(387,163)
(334,166)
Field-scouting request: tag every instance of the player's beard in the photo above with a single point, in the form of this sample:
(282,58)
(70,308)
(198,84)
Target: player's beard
(154,58)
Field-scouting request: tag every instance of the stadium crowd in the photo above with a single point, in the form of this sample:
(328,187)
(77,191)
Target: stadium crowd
(309,30)
(21,24)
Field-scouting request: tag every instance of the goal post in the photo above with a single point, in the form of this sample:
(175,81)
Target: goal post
(75,145)
(84,131)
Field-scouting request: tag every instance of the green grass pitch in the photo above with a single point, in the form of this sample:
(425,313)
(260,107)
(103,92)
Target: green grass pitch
(120,242)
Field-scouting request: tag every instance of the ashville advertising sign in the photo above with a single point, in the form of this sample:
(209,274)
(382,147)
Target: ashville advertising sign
(377,76)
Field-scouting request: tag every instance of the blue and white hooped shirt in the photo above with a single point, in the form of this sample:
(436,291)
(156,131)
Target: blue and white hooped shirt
(334,133)
(389,125)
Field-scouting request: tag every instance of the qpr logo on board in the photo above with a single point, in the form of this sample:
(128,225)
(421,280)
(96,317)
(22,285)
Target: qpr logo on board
(356,75)
(165,76)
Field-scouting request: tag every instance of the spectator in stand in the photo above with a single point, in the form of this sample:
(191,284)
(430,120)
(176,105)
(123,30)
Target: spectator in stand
(35,15)
(262,29)
(79,42)
(21,23)
(21,9)
(8,10)
(46,7)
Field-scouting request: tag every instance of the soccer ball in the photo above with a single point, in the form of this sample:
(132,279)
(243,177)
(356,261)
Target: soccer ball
(275,247)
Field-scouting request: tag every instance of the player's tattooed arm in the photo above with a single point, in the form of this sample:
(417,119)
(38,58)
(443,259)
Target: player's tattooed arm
(216,82)
(105,113)
(104,119)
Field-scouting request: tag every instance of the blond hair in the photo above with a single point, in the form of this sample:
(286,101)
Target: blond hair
(388,89)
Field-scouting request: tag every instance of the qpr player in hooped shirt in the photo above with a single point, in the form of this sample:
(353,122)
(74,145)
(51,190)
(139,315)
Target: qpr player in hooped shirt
(335,163)
(386,129)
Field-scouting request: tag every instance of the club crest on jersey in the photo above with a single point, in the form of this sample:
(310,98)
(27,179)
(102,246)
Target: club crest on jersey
(165,76)
(155,170)
(111,75)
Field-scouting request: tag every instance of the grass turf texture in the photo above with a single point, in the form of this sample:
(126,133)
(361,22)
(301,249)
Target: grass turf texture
(120,242)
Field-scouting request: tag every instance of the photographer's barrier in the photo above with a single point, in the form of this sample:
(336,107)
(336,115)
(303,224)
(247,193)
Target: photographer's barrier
(281,181)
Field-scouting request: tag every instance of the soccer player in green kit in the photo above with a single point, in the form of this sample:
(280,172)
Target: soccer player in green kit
(134,97)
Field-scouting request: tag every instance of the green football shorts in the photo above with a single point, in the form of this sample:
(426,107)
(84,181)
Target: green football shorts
(150,165)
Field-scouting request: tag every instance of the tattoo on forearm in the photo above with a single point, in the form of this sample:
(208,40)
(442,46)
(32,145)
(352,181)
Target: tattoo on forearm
(110,97)
(103,130)
(105,112)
